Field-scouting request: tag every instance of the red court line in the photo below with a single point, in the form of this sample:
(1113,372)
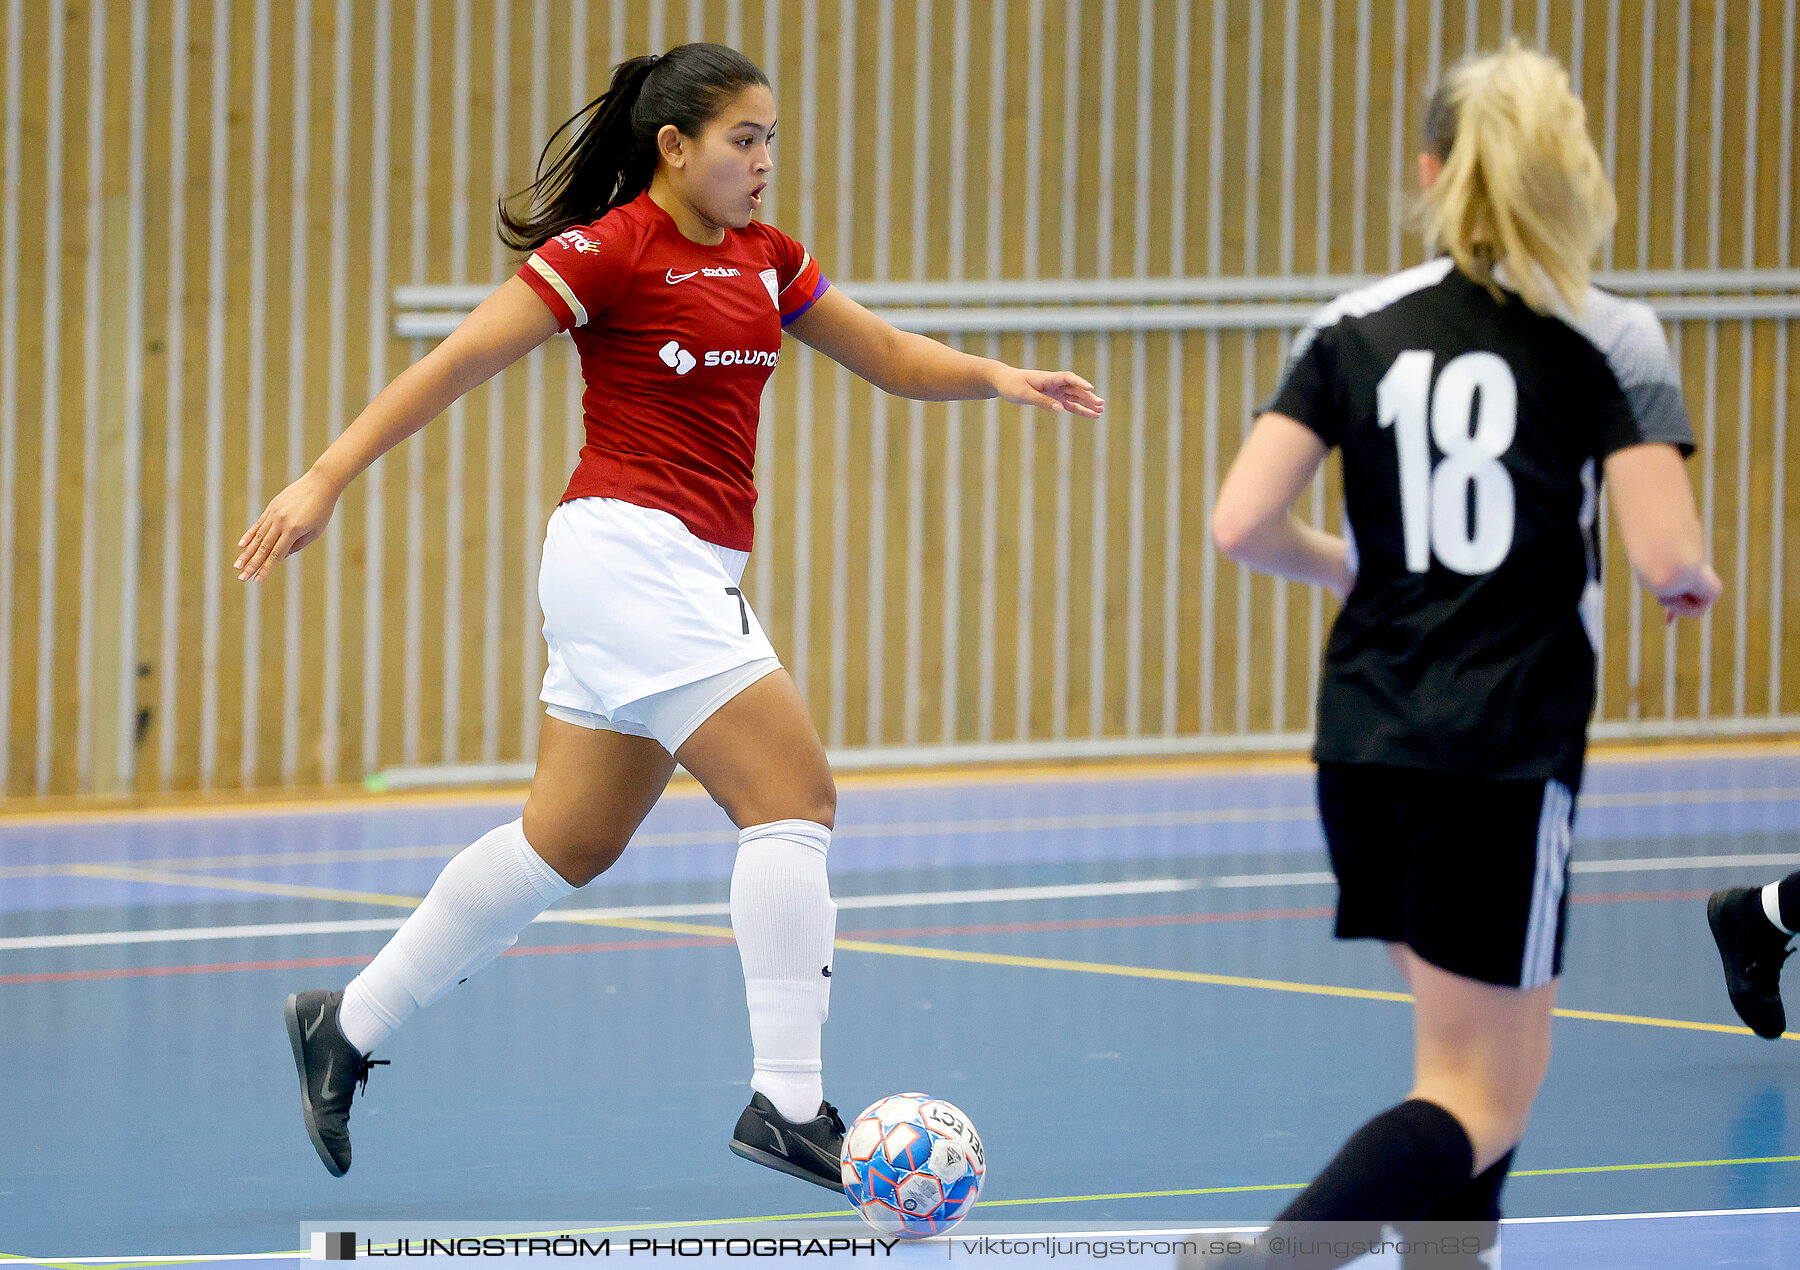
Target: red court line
(307,963)
(1092,923)
(908,932)
(149,972)
(628,945)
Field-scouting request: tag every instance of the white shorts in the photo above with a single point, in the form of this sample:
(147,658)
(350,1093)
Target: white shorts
(647,628)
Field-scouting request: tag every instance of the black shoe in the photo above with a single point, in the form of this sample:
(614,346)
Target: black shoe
(330,1069)
(812,1149)
(1753,951)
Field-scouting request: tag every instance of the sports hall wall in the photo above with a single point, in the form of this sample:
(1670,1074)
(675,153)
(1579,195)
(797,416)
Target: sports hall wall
(207,207)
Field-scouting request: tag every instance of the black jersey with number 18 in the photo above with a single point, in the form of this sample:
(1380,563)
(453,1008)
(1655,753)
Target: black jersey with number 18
(1472,434)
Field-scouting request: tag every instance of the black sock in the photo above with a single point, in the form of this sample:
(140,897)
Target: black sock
(1478,1199)
(1398,1167)
(1788,893)
(1476,1207)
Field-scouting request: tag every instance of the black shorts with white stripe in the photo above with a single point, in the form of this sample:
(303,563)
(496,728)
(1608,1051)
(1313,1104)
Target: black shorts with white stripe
(1469,872)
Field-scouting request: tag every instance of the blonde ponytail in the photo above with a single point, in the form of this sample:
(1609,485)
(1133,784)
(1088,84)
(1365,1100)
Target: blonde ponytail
(1521,185)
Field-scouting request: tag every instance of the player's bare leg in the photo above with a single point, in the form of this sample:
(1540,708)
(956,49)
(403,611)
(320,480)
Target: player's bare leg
(1480,1053)
(761,759)
(590,792)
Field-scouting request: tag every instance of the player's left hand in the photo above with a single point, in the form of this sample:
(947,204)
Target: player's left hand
(1050,390)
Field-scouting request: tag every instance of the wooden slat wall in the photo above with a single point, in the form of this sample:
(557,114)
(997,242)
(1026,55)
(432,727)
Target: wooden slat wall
(206,204)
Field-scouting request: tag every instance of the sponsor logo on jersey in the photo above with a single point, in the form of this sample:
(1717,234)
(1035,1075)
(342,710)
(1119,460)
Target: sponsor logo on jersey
(674,355)
(671,277)
(741,357)
(681,361)
(578,241)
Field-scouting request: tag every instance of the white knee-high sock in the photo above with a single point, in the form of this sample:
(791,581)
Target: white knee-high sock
(785,922)
(473,913)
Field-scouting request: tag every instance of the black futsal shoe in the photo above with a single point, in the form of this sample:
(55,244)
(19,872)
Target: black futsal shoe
(1753,951)
(811,1149)
(330,1069)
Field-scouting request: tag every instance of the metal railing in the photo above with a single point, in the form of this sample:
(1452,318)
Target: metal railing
(1115,316)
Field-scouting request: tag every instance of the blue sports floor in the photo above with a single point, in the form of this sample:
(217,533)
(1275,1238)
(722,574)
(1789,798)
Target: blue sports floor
(1124,976)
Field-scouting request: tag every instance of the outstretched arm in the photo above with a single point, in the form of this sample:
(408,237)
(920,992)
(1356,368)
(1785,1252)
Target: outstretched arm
(503,328)
(914,366)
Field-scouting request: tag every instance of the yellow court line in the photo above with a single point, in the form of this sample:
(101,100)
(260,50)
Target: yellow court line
(116,1265)
(169,878)
(656,927)
(1294,1186)
(907,950)
(1687,751)
(1151,972)
(291,805)
(1133,972)
(1601,1016)
(344,855)
(1270,985)
(1670,1164)
(33,870)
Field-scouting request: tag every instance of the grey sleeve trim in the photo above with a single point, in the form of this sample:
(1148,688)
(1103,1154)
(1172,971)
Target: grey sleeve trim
(1631,338)
(1661,413)
(1303,342)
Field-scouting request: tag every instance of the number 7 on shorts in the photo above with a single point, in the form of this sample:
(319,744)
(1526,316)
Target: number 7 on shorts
(743,609)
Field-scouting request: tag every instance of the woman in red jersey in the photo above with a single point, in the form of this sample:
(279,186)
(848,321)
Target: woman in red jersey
(643,246)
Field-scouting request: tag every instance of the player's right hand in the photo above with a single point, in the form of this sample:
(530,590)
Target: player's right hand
(1695,597)
(292,519)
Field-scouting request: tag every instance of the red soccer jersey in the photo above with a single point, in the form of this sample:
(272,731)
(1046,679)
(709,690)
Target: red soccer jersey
(677,340)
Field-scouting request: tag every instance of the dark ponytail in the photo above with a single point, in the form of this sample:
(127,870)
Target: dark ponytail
(612,154)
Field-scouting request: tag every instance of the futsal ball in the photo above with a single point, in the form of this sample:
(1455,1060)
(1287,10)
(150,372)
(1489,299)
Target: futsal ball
(913,1165)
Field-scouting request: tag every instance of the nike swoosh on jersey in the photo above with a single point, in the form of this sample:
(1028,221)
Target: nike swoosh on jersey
(671,277)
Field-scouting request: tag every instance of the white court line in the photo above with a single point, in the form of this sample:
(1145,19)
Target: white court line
(1647,865)
(96,939)
(1275,879)
(1776,860)
(1149,886)
(1698,1212)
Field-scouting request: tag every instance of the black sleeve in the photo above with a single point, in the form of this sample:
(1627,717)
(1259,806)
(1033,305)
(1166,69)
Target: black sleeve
(1308,391)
